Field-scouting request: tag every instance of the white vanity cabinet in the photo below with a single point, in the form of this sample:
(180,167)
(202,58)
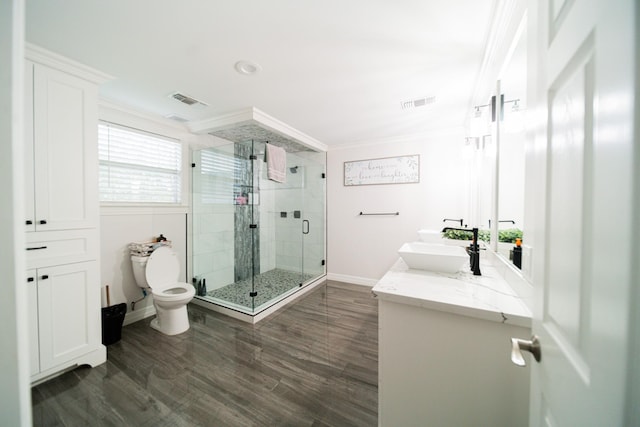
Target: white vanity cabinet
(67,317)
(62,213)
(444,350)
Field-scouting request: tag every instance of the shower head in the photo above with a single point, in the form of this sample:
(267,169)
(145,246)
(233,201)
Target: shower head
(294,169)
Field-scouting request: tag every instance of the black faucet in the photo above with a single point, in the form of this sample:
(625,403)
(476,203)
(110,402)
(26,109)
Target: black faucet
(474,249)
(454,220)
(504,220)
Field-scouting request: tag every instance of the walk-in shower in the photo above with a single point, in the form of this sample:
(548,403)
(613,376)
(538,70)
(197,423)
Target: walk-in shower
(254,241)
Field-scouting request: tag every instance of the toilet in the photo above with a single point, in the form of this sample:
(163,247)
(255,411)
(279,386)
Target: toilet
(160,272)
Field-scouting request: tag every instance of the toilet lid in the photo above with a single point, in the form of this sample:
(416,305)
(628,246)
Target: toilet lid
(163,268)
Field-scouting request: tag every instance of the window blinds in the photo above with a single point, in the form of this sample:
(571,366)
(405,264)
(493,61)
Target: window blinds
(138,167)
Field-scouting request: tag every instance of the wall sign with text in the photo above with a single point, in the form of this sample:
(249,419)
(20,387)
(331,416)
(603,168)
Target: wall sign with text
(387,170)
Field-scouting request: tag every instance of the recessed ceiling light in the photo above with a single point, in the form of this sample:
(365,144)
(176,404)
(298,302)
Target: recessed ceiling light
(247,67)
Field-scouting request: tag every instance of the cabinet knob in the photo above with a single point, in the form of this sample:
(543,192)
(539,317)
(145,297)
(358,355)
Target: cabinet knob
(43,221)
(533,347)
(30,279)
(28,222)
(44,277)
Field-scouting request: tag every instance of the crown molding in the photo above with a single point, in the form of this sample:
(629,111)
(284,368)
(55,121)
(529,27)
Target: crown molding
(43,56)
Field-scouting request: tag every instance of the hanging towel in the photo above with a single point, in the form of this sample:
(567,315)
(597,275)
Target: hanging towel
(276,163)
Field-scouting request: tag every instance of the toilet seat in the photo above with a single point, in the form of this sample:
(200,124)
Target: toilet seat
(177,292)
(163,269)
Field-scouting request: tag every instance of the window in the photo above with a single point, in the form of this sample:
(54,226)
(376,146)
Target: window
(218,176)
(138,167)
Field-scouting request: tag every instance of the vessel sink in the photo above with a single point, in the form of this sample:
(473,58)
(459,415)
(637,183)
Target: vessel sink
(433,257)
(431,236)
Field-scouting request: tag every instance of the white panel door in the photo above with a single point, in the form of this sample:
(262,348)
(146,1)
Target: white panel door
(65,145)
(69,309)
(583,75)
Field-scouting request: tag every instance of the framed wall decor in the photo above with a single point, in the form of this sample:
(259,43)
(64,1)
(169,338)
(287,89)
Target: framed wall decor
(386,170)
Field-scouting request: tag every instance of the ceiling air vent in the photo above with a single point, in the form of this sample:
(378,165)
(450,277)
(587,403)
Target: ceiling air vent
(417,102)
(185,99)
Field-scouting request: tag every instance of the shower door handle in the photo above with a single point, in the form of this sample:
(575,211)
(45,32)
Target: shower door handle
(305,226)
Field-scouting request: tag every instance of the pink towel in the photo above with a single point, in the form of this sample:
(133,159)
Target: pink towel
(276,163)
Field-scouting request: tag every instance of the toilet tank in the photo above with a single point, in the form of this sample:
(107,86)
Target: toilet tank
(139,264)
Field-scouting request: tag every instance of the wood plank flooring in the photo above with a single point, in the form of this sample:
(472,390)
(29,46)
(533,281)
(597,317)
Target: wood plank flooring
(314,363)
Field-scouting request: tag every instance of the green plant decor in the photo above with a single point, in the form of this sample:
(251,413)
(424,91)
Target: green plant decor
(509,235)
(483,235)
(506,236)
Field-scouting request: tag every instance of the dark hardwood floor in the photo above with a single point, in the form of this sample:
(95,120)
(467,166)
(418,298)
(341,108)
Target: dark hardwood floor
(314,363)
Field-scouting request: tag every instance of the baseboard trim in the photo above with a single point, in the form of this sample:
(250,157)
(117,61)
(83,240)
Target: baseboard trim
(356,280)
(139,314)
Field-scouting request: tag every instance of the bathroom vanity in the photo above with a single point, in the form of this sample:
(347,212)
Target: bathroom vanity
(445,349)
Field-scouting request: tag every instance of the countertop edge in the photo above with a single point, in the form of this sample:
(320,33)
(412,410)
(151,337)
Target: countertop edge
(492,316)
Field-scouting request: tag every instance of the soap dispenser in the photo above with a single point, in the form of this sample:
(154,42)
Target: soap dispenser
(517,253)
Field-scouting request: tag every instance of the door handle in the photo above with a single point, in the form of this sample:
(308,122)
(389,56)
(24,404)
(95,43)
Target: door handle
(532,346)
(305,227)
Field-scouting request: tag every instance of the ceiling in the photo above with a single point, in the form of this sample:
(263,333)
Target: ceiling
(334,70)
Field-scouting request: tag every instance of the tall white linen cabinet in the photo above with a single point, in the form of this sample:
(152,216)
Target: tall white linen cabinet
(62,213)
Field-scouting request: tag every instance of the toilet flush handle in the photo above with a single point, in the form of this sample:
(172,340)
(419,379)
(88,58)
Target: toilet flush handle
(532,346)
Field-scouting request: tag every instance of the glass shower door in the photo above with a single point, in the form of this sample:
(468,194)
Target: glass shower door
(313,264)
(280,223)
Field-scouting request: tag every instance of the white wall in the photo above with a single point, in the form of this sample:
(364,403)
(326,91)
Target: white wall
(362,248)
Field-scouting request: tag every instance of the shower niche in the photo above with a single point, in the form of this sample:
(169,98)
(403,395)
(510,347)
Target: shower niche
(255,243)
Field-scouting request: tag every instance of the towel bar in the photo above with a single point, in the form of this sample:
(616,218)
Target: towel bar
(380,213)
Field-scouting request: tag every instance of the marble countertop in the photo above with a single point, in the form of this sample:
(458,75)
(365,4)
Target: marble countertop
(487,297)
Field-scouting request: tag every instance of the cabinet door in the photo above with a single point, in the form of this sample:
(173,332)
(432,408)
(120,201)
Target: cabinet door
(69,312)
(65,144)
(34,346)
(29,195)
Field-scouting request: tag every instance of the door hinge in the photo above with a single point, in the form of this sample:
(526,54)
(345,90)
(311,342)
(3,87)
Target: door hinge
(322,262)
(253,225)
(253,157)
(193,165)
(253,294)
(324,175)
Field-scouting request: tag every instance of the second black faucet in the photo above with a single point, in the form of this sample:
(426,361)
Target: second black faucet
(474,249)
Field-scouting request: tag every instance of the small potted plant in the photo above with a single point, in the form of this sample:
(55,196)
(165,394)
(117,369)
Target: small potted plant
(465,238)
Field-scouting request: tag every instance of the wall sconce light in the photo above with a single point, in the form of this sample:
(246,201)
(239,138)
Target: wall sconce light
(515,120)
(515,107)
(478,125)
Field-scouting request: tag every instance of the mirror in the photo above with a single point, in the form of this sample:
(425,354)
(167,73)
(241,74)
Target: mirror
(511,156)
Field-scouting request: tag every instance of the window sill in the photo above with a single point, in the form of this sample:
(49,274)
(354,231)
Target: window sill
(142,209)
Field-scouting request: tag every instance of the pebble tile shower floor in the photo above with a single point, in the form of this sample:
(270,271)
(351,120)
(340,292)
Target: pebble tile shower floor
(269,285)
(313,363)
